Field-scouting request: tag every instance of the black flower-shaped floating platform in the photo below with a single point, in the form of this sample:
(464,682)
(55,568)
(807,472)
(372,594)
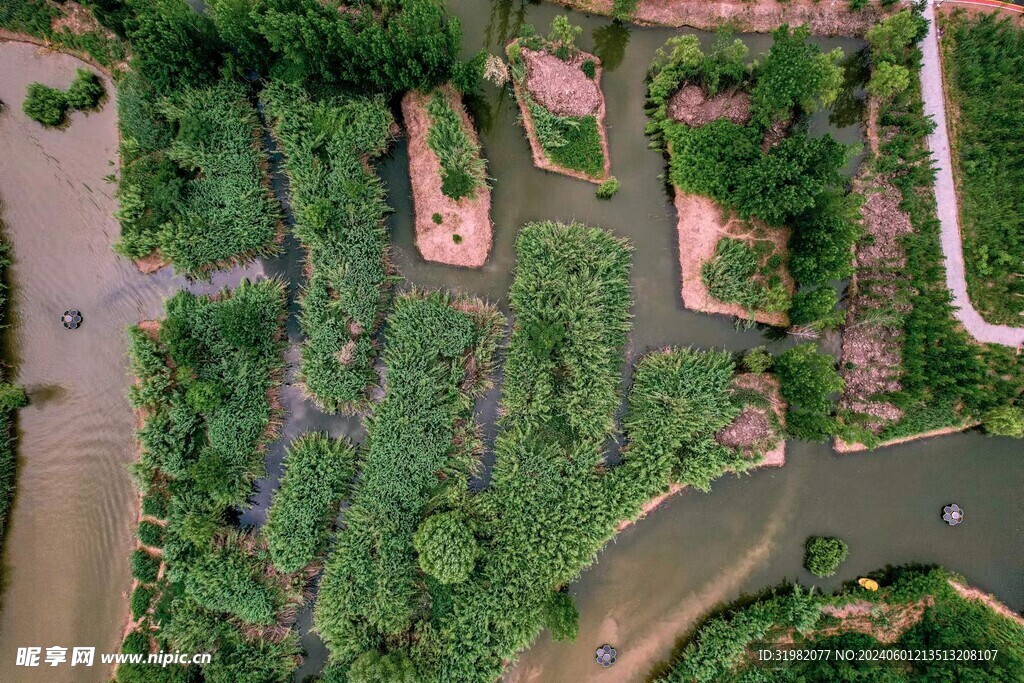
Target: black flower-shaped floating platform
(71,319)
(952,514)
(606,655)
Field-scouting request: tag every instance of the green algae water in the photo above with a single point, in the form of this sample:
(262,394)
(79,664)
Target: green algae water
(66,562)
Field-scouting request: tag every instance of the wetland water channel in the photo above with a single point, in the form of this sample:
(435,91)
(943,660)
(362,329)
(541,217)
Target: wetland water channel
(65,566)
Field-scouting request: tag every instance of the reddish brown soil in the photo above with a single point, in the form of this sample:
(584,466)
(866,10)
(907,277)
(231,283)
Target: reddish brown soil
(540,159)
(1010,12)
(824,17)
(701,224)
(469,218)
(691,106)
(560,86)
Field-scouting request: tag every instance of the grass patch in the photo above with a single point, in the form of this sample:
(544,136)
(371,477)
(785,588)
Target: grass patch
(739,274)
(570,141)
(463,169)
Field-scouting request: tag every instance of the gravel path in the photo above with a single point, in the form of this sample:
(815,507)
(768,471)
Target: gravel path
(945,195)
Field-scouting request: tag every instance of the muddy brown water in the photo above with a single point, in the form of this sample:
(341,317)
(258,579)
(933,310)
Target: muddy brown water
(66,558)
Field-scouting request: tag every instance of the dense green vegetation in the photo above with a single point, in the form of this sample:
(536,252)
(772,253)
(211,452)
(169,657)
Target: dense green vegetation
(318,473)
(422,448)
(204,383)
(572,142)
(724,649)
(463,168)
(823,555)
(12,397)
(946,379)
(339,208)
(984,60)
(49,106)
(794,181)
(193,180)
(429,581)
(808,380)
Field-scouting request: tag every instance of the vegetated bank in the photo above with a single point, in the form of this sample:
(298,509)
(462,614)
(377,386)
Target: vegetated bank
(490,568)
(450,190)
(12,397)
(339,207)
(910,369)
(916,609)
(69,27)
(207,377)
(983,64)
(760,202)
(558,88)
(843,18)
(439,356)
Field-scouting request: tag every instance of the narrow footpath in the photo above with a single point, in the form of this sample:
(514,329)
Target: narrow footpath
(945,196)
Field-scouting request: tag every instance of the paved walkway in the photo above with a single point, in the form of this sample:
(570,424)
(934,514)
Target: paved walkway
(945,195)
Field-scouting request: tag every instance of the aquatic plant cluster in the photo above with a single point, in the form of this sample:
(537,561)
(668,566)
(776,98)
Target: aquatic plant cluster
(339,206)
(767,168)
(49,106)
(552,502)
(206,379)
(946,380)
(193,188)
(917,609)
(985,67)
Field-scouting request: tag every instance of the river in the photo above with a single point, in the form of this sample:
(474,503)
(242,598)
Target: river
(66,558)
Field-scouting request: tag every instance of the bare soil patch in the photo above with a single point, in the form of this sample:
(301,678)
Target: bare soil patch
(540,159)
(824,17)
(701,224)
(465,233)
(694,108)
(560,86)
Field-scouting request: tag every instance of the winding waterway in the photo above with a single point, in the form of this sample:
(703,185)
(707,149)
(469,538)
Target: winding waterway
(66,558)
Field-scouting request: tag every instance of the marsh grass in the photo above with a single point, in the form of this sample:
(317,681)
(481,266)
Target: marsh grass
(463,168)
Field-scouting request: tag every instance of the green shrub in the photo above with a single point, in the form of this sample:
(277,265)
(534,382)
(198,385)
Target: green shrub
(373,667)
(226,579)
(758,360)
(446,546)
(85,92)
(154,504)
(816,309)
(136,642)
(145,567)
(457,238)
(561,617)
(887,80)
(318,471)
(808,379)
(151,534)
(623,9)
(139,601)
(1005,421)
(463,169)
(608,188)
(45,105)
(823,555)
(12,396)
(437,218)
(589,68)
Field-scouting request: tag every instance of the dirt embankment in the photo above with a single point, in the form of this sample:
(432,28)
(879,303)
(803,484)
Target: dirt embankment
(750,430)
(701,224)
(691,106)
(561,87)
(824,17)
(465,233)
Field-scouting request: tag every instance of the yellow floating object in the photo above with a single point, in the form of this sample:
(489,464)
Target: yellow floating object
(870,584)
